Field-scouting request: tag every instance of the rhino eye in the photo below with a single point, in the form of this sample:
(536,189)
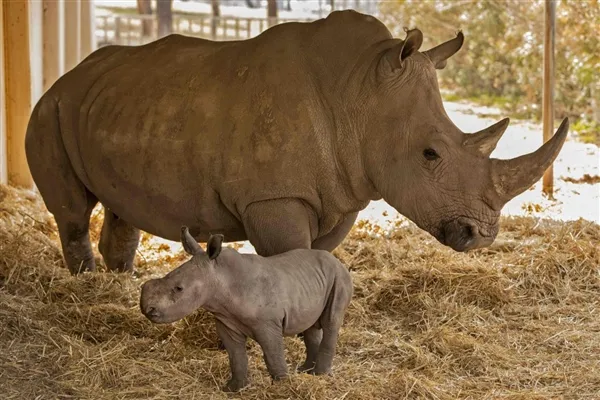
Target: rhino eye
(430,154)
(177,289)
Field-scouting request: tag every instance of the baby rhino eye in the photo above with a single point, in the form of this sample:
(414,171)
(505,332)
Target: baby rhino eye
(177,289)
(430,154)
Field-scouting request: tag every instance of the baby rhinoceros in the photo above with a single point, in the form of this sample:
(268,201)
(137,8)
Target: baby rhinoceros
(264,298)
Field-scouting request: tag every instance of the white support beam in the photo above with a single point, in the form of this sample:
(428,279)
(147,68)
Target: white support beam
(548,86)
(53,41)
(88,28)
(3,154)
(72,33)
(36,49)
(17,75)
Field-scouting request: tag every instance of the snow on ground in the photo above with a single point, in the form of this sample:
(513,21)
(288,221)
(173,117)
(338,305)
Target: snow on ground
(572,200)
(300,10)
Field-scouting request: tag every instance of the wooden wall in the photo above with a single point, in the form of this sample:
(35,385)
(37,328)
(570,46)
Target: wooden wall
(37,45)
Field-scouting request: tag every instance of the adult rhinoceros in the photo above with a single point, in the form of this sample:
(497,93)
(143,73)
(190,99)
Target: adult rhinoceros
(280,140)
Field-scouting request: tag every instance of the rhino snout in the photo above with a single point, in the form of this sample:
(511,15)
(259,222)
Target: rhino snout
(463,234)
(151,312)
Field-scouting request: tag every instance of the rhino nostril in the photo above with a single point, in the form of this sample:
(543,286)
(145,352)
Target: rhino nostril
(470,231)
(151,311)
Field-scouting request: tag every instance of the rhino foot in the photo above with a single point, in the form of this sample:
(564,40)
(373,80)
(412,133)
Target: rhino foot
(317,371)
(235,385)
(306,368)
(277,378)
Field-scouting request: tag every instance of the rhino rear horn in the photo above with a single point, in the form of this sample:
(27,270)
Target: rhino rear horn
(189,243)
(484,142)
(513,177)
(440,53)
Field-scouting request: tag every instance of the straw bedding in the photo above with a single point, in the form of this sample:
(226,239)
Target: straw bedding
(519,320)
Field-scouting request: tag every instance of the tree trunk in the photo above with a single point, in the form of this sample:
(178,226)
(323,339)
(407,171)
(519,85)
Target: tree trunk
(216,13)
(164,14)
(272,12)
(144,7)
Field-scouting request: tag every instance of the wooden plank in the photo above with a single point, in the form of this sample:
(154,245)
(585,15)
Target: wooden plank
(72,33)
(18,89)
(548,87)
(3,155)
(87,27)
(54,40)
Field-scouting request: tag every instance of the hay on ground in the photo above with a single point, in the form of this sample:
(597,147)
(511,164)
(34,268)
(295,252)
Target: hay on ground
(519,320)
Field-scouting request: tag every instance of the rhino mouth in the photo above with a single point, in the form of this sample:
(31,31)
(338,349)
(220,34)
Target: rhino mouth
(463,234)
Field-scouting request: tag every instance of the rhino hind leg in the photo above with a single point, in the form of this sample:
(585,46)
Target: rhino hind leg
(312,340)
(118,243)
(331,322)
(64,194)
(74,235)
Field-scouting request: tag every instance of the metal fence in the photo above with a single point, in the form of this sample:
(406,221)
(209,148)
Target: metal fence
(131,29)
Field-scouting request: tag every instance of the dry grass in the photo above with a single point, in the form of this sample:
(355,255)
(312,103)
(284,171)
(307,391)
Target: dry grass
(520,320)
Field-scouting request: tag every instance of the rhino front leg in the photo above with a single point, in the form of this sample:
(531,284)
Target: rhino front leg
(276,226)
(118,242)
(334,238)
(235,344)
(271,342)
(312,339)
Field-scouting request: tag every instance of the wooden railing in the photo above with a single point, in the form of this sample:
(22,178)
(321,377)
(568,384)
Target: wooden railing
(129,29)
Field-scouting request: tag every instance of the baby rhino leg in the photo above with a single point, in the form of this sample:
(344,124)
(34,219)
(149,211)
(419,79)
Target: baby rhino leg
(271,342)
(331,322)
(235,344)
(312,339)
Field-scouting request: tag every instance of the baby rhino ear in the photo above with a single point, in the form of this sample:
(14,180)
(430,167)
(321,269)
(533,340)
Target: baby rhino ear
(189,243)
(213,247)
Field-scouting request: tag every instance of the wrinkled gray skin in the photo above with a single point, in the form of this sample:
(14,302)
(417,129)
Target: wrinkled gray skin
(293,131)
(300,291)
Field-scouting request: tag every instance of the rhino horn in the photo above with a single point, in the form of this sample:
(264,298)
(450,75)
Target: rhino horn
(513,177)
(440,53)
(484,142)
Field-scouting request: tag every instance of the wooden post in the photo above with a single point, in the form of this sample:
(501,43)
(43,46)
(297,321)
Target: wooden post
(272,12)
(53,41)
(3,155)
(18,89)
(72,33)
(88,28)
(548,84)
(216,17)
(164,14)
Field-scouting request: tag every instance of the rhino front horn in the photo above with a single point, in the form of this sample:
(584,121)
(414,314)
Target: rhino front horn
(513,177)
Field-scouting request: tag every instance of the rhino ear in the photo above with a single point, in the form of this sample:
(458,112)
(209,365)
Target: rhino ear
(401,51)
(189,243)
(213,247)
